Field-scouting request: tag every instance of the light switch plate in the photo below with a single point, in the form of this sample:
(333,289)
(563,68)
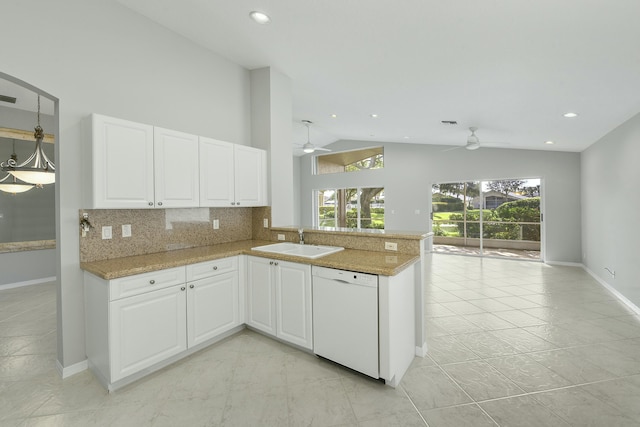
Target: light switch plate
(126,230)
(265,223)
(106,232)
(280,236)
(216,224)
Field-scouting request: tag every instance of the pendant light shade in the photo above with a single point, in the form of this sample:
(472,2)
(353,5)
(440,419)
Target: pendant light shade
(14,186)
(9,184)
(37,169)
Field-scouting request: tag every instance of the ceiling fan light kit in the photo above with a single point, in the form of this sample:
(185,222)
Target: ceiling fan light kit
(308,147)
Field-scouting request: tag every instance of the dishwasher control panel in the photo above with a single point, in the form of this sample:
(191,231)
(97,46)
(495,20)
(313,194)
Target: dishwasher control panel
(345,276)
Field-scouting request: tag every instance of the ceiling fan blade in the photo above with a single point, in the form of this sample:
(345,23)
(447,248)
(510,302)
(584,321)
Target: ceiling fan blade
(321,149)
(454,148)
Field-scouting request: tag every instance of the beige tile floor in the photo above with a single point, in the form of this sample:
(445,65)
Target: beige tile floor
(511,343)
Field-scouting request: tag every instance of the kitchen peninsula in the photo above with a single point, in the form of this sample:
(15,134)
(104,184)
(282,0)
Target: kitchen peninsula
(147,310)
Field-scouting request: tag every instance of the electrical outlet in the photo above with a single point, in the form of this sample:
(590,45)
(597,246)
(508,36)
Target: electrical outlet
(391,246)
(265,223)
(126,230)
(216,224)
(280,236)
(106,232)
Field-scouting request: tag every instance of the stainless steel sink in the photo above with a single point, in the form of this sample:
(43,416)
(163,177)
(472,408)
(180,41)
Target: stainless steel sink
(306,251)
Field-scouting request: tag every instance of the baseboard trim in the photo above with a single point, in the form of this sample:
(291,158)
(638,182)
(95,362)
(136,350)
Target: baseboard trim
(421,351)
(71,370)
(615,293)
(565,263)
(28,283)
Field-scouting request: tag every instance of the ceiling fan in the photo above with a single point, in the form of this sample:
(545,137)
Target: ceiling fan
(309,147)
(473,143)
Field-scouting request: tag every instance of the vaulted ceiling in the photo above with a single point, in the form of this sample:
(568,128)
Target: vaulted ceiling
(510,67)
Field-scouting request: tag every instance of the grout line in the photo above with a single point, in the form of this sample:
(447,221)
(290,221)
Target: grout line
(414,405)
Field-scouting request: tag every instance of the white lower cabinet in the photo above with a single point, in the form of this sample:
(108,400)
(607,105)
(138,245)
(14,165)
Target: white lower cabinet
(147,329)
(279,299)
(213,306)
(138,322)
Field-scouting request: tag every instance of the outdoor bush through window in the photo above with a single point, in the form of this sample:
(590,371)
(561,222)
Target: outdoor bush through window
(350,207)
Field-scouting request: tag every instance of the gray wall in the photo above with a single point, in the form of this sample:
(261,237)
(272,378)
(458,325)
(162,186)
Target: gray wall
(411,169)
(610,206)
(27,267)
(98,56)
(27,216)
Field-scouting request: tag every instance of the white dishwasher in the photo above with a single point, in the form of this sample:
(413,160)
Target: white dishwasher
(345,318)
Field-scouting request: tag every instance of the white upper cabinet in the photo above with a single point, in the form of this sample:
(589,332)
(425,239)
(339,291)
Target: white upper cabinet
(231,174)
(137,166)
(216,173)
(176,169)
(250,176)
(120,155)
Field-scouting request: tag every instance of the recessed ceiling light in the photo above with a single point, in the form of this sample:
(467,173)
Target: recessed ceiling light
(549,142)
(333,116)
(375,116)
(406,137)
(259,17)
(570,115)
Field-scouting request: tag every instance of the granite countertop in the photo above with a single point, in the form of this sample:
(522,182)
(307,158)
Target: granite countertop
(383,263)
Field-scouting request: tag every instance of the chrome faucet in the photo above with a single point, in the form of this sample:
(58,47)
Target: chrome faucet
(301,234)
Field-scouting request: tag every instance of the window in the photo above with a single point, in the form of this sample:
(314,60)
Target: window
(350,207)
(494,218)
(350,161)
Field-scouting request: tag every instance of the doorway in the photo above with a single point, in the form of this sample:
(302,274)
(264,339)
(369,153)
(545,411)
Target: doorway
(490,218)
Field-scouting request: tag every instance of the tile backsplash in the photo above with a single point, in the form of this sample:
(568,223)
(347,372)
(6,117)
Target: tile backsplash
(158,230)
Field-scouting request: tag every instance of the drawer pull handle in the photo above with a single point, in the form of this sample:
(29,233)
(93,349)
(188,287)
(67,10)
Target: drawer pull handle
(215,267)
(271,263)
(150,203)
(152,282)
(275,263)
(182,288)
(191,286)
(159,203)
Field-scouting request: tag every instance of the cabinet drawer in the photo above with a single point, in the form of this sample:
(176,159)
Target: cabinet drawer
(211,268)
(145,282)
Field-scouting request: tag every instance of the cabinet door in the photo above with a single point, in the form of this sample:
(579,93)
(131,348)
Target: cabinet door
(146,329)
(250,176)
(293,302)
(261,295)
(122,164)
(176,169)
(216,173)
(212,307)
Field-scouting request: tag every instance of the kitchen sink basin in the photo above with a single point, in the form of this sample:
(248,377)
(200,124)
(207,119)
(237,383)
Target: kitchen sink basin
(306,251)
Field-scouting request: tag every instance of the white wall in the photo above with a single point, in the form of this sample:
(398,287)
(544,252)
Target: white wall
(610,207)
(296,190)
(98,56)
(411,169)
(271,112)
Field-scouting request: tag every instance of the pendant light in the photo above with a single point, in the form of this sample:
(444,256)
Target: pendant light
(10,184)
(37,169)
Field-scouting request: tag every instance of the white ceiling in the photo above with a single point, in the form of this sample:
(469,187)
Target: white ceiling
(509,67)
